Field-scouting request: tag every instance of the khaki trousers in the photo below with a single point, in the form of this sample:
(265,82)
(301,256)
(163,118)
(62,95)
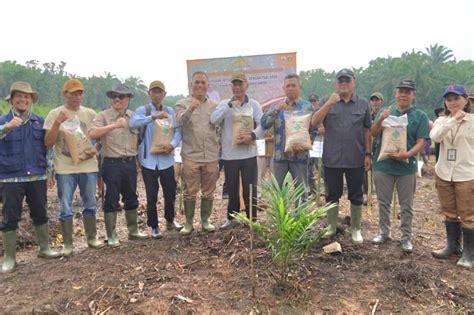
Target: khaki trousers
(200,176)
(457,201)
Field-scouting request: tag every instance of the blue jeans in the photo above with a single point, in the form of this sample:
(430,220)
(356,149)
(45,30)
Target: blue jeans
(67,184)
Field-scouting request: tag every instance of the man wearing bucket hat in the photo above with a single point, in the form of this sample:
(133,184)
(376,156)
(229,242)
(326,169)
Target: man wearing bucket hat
(157,168)
(347,148)
(396,171)
(68,174)
(119,149)
(240,159)
(199,150)
(23,172)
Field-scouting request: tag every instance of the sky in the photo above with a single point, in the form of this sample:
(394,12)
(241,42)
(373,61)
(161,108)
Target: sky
(153,39)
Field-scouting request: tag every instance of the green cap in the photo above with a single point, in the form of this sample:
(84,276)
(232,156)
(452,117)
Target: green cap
(239,77)
(377,95)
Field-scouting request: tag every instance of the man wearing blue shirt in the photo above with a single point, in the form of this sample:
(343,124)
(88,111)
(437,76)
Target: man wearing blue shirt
(296,161)
(157,166)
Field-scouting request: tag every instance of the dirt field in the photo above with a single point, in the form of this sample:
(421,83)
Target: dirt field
(210,273)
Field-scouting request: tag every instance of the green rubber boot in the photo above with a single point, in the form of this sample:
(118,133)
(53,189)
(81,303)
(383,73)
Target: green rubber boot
(132,224)
(66,230)
(9,254)
(189,207)
(206,210)
(91,232)
(356,218)
(332,222)
(110,219)
(42,234)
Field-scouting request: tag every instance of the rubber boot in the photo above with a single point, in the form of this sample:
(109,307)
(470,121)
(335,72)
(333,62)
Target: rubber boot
(110,219)
(132,224)
(332,222)
(206,210)
(9,251)
(453,243)
(42,234)
(356,218)
(91,232)
(189,207)
(467,248)
(66,230)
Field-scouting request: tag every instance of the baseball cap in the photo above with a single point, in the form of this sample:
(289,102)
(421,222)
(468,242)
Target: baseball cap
(456,89)
(157,84)
(409,84)
(239,77)
(73,85)
(345,73)
(377,95)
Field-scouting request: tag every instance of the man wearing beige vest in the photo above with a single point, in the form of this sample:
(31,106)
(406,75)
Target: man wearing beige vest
(200,152)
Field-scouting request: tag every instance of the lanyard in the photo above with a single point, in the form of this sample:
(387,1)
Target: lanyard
(453,136)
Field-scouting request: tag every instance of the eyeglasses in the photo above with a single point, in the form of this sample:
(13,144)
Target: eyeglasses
(344,80)
(119,96)
(313,101)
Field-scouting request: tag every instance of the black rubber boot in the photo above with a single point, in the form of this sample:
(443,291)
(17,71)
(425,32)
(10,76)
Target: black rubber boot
(453,243)
(468,248)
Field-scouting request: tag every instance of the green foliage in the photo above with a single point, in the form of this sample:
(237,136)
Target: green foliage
(432,71)
(288,224)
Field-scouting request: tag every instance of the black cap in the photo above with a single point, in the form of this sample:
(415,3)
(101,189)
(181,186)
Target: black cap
(313,97)
(345,73)
(408,84)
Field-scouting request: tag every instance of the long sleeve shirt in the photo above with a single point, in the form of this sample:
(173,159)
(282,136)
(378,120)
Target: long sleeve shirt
(459,136)
(153,160)
(200,142)
(277,121)
(223,116)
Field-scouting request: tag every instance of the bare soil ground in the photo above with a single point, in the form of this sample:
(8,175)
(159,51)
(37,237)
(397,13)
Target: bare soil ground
(210,273)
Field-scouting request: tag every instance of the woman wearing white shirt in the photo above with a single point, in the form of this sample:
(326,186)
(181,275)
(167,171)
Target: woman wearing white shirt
(455,174)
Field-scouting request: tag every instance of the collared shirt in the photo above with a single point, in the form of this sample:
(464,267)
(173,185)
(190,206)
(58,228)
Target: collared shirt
(223,116)
(344,142)
(418,128)
(200,142)
(458,135)
(120,142)
(277,121)
(154,161)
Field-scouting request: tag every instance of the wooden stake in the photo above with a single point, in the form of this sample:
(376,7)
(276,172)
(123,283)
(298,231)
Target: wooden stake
(394,203)
(252,267)
(369,192)
(318,182)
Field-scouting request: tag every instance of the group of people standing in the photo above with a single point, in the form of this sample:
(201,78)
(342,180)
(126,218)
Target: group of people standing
(345,120)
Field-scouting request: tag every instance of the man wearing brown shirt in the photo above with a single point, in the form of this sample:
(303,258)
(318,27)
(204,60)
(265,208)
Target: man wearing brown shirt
(119,148)
(199,150)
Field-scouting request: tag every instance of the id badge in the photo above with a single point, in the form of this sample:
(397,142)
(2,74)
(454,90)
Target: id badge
(451,155)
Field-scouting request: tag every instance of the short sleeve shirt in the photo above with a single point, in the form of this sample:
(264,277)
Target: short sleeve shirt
(120,142)
(344,143)
(418,128)
(62,159)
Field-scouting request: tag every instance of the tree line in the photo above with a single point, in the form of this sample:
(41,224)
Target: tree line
(432,69)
